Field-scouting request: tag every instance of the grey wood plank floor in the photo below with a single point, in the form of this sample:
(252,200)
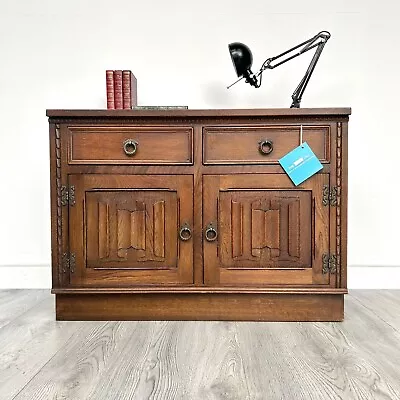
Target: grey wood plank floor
(41,358)
(16,302)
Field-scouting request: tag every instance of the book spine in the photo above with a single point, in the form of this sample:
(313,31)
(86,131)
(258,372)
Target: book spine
(126,89)
(160,107)
(133,90)
(129,89)
(110,89)
(118,99)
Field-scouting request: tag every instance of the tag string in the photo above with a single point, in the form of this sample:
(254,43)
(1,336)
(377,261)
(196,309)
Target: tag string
(301,135)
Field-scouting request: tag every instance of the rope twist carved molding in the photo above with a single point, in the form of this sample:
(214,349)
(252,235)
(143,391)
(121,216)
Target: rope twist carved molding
(339,198)
(185,120)
(61,265)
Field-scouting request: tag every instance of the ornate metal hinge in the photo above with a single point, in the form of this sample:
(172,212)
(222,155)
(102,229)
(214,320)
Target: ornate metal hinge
(329,263)
(68,195)
(329,197)
(68,262)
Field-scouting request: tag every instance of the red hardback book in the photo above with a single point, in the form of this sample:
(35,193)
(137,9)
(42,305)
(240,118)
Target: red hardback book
(118,99)
(129,89)
(110,89)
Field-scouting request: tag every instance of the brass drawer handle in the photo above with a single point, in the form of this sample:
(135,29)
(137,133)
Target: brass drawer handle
(130,147)
(185,232)
(211,233)
(265,146)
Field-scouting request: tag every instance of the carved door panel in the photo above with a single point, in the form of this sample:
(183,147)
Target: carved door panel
(125,230)
(262,230)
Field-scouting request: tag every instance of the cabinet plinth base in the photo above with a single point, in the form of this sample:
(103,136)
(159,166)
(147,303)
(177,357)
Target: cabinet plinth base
(200,307)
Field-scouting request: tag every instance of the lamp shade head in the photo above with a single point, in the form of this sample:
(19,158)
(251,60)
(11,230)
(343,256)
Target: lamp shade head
(241,57)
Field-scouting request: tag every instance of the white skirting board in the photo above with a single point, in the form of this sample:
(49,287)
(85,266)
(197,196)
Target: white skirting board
(373,277)
(39,277)
(25,277)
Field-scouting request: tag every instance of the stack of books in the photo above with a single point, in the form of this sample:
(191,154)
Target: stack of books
(121,89)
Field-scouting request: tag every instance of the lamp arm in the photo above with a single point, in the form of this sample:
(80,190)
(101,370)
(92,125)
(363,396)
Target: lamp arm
(298,93)
(318,41)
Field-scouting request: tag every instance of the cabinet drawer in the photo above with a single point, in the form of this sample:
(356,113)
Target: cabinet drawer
(261,144)
(130,145)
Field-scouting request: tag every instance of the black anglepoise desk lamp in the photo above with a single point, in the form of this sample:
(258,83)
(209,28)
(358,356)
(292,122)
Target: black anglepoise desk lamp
(243,59)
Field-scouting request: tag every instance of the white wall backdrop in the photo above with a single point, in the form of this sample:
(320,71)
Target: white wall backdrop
(53,54)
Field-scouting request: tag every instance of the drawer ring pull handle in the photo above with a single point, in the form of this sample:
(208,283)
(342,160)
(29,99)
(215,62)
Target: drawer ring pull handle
(265,146)
(211,233)
(185,232)
(130,147)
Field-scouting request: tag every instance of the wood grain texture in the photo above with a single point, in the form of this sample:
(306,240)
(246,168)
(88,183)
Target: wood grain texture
(265,112)
(77,369)
(200,306)
(269,191)
(197,231)
(125,368)
(193,360)
(145,215)
(241,145)
(15,302)
(197,168)
(105,145)
(344,208)
(203,289)
(385,304)
(313,361)
(373,352)
(356,359)
(28,343)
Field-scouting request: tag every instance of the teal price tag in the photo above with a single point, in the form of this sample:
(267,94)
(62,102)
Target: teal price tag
(300,164)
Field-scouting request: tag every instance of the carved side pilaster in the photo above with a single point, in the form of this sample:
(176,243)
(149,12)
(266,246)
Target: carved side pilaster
(61,264)
(339,197)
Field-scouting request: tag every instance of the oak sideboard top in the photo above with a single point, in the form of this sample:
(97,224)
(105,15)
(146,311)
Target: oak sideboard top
(202,113)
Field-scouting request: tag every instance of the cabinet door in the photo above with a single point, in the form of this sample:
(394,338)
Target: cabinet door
(124,230)
(262,230)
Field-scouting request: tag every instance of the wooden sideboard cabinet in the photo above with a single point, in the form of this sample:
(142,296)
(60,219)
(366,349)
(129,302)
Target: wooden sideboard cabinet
(188,215)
